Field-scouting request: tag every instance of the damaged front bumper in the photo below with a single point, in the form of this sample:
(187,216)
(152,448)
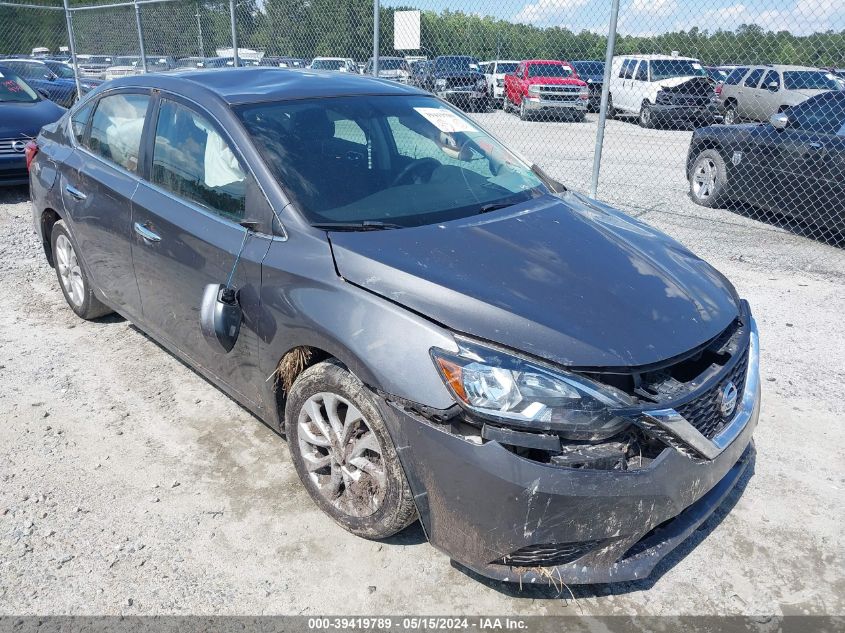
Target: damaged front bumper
(514,519)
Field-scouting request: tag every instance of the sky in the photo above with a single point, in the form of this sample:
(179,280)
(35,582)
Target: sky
(647,17)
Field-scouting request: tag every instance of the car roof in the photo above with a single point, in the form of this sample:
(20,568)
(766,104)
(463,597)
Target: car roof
(26,59)
(781,67)
(543,61)
(256,84)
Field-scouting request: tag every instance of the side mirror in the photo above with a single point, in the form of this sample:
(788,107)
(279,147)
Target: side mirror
(43,93)
(220,317)
(779,121)
(773,86)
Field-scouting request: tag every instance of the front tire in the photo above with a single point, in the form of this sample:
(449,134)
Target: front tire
(523,113)
(343,453)
(708,179)
(72,276)
(646,116)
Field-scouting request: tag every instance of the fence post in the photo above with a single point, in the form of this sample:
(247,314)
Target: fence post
(376,15)
(140,37)
(72,46)
(199,30)
(605,90)
(235,59)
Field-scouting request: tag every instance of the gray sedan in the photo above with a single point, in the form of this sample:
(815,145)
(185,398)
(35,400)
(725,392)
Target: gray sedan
(440,330)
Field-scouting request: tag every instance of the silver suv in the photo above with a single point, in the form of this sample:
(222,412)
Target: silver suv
(755,93)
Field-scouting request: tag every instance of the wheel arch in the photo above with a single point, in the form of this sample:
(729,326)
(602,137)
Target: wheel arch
(47,221)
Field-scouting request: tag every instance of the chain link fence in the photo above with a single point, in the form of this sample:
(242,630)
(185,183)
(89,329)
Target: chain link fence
(647,104)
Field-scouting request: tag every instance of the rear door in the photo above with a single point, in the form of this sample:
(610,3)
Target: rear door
(97,184)
(747,98)
(186,233)
(767,96)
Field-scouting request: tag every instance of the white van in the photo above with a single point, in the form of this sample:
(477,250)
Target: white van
(662,88)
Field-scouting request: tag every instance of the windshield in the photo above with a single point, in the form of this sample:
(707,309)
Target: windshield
(459,64)
(589,68)
(14,90)
(328,64)
(809,80)
(403,160)
(503,68)
(60,70)
(392,64)
(668,68)
(549,70)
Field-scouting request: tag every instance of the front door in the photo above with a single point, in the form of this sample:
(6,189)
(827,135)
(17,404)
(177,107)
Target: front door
(97,183)
(186,234)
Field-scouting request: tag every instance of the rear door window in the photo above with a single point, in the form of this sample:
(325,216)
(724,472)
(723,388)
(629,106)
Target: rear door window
(771,77)
(79,123)
(192,160)
(116,129)
(642,71)
(753,78)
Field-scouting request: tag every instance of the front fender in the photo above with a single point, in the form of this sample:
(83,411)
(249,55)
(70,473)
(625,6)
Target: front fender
(305,302)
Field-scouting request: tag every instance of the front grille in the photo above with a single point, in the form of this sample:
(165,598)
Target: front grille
(560,93)
(460,82)
(548,555)
(704,412)
(10,146)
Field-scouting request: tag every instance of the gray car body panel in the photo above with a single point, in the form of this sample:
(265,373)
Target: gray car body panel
(564,279)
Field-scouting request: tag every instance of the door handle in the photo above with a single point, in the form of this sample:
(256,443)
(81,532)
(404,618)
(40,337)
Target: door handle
(146,233)
(76,193)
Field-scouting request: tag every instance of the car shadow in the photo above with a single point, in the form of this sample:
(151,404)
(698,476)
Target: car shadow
(562,591)
(14,195)
(796,226)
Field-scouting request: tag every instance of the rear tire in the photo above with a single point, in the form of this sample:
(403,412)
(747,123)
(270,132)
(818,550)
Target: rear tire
(72,276)
(730,117)
(343,453)
(708,179)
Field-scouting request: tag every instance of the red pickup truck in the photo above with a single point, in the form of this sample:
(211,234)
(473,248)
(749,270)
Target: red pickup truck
(547,87)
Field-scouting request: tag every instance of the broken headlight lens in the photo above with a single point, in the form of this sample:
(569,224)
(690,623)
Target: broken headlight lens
(508,389)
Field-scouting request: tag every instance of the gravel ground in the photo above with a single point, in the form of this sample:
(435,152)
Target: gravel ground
(132,486)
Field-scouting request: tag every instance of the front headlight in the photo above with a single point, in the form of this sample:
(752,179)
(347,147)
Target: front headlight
(481,84)
(440,83)
(505,388)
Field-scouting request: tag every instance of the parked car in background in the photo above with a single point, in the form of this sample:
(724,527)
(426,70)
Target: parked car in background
(457,79)
(339,64)
(419,73)
(662,89)
(283,62)
(546,87)
(394,68)
(718,74)
(129,65)
(556,390)
(755,93)
(43,75)
(22,115)
(794,164)
(494,73)
(591,71)
(94,66)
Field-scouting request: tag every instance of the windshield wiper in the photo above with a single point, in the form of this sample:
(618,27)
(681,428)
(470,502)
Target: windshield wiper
(495,206)
(366,225)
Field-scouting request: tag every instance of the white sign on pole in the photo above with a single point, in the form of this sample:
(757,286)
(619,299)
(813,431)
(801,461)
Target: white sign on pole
(406,30)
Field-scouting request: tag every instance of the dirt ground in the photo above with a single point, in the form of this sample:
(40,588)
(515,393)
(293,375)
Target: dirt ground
(130,485)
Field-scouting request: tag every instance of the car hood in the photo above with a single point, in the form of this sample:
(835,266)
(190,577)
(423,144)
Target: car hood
(677,81)
(564,278)
(457,74)
(22,120)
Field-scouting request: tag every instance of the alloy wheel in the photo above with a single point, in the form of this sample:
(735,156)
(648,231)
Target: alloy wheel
(342,454)
(730,116)
(70,274)
(704,179)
